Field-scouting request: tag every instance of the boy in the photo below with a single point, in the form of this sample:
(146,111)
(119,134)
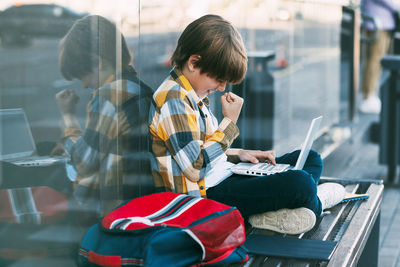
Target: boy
(191,152)
(111,153)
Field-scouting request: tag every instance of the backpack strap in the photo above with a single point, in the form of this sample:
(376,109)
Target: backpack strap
(107,260)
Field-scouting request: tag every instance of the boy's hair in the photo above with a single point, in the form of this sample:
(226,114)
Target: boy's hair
(89,39)
(219,45)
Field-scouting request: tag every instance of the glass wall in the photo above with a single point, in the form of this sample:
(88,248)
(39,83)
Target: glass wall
(304,82)
(294,68)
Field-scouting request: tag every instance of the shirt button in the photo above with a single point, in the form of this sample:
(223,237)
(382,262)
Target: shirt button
(201,187)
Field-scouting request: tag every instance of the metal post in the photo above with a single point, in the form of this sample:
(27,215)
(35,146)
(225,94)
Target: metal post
(369,256)
(350,48)
(393,154)
(355,67)
(396,43)
(392,63)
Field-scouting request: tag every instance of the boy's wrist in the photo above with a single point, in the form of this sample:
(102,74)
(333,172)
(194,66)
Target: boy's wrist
(70,121)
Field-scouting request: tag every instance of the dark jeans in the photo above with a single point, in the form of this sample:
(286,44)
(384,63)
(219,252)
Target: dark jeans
(290,189)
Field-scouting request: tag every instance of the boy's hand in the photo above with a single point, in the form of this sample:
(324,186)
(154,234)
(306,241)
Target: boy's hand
(58,150)
(67,100)
(231,106)
(256,156)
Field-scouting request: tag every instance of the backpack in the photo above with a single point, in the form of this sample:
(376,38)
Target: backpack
(165,229)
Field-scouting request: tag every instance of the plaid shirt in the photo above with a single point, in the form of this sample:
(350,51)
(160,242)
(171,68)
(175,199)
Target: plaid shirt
(113,150)
(183,142)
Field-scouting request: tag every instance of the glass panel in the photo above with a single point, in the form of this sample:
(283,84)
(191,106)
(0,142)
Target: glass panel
(293,76)
(282,94)
(46,206)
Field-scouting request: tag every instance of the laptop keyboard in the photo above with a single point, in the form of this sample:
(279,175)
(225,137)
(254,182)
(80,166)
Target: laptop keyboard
(269,168)
(259,169)
(37,161)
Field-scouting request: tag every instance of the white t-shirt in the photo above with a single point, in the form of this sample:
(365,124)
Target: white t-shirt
(220,167)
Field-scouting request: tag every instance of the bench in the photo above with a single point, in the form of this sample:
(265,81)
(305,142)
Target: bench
(353,225)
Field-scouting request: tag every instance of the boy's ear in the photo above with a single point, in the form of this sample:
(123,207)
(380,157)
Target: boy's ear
(193,59)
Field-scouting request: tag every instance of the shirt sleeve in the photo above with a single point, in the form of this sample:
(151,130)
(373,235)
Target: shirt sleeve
(88,148)
(233,155)
(193,152)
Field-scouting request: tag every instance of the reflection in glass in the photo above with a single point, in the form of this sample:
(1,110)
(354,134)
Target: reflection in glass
(110,153)
(282,94)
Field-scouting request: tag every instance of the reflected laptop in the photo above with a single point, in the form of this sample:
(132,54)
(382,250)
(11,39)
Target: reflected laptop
(16,141)
(261,169)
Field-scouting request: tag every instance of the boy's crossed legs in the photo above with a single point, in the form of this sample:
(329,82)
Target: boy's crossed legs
(291,194)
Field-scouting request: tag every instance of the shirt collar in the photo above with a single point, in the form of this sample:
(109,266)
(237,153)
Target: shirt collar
(178,77)
(108,80)
(119,76)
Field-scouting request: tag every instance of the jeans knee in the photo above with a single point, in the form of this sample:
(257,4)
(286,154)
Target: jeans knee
(305,183)
(314,158)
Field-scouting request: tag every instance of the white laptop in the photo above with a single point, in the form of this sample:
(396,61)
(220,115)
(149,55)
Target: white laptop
(261,169)
(16,141)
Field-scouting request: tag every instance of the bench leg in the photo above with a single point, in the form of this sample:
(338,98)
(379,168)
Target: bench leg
(369,256)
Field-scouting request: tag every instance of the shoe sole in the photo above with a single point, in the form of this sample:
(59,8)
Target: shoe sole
(295,221)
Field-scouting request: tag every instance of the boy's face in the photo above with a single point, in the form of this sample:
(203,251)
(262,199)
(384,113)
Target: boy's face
(204,85)
(90,80)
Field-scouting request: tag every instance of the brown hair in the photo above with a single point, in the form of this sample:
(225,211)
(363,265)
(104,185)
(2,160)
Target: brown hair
(219,45)
(89,39)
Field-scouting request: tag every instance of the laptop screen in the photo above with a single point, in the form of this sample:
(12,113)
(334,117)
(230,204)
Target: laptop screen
(305,149)
(15,135)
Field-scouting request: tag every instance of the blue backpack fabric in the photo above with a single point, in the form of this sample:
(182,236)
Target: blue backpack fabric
(166,229)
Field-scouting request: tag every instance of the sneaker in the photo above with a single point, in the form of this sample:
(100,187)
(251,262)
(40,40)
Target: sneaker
(285,221)
(330,194)
(371,105)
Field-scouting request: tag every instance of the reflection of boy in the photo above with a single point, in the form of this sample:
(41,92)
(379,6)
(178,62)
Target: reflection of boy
(191,150)
(112,149)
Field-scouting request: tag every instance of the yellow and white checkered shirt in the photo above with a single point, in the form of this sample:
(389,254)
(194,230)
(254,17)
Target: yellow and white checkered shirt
(183,141)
